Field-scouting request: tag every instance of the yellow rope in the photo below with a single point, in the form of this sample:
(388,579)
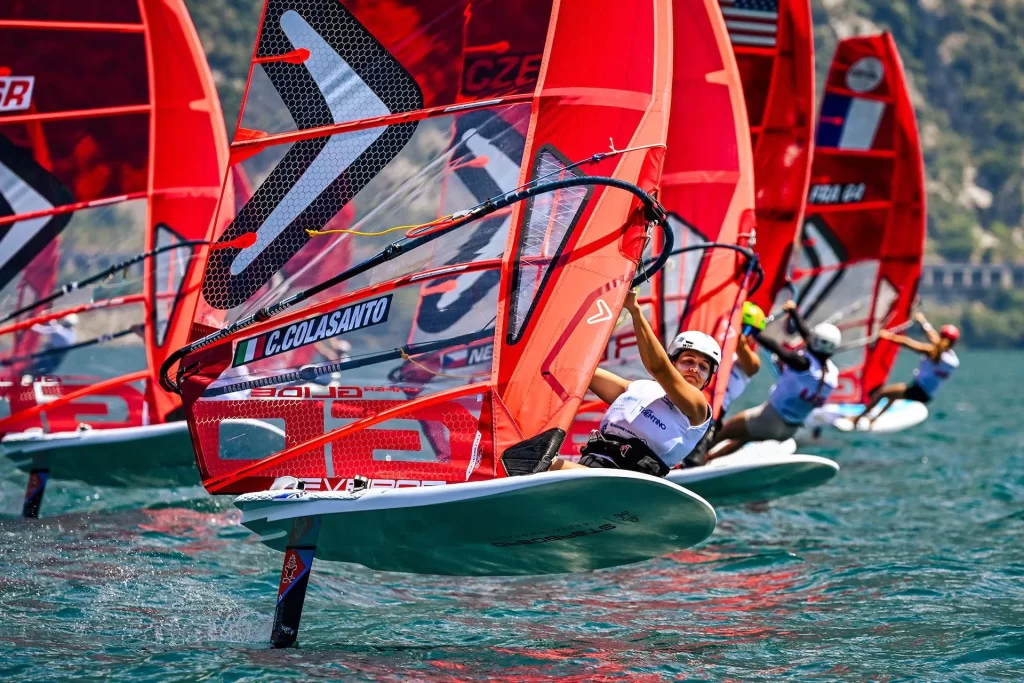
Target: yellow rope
(406,357)
(359,233)
(314,233)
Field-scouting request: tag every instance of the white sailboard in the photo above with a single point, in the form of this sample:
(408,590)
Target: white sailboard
(157,455)
(549,523)
(902,415)
(150,456)
(757,473)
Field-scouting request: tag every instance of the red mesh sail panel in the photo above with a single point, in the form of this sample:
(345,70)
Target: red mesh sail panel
(774,50)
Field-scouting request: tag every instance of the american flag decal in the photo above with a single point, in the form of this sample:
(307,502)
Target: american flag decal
(751,22)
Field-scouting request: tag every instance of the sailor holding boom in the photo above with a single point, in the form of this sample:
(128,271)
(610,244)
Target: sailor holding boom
(652,424)
(808,378)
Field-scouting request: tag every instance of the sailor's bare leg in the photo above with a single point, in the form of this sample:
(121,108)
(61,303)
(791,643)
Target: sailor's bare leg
(733,428)
(559,464)
(875,396)
(734,431)
(898,391)
(890,392)
(729,448)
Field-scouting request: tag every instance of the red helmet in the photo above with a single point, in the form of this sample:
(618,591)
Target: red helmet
(950,332)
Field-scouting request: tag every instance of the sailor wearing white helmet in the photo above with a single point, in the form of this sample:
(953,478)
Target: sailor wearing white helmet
(808,378)
(651,425)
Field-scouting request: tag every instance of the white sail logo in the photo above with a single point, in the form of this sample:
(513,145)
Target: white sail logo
(16,92)
(22,198)
(865,75)
(349,98)
(603,313)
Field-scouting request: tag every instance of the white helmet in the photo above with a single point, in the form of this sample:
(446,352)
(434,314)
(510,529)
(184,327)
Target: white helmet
(71,319)
(825,339)
(693,340)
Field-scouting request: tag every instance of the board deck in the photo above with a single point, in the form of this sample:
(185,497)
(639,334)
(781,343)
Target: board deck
(902,415)
(548,523)
(787,447)
(755,475)
(152,455)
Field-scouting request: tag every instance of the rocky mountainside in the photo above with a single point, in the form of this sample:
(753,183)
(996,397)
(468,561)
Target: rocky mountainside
(965,63)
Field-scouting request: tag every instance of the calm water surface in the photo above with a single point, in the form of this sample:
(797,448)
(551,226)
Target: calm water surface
(909,566)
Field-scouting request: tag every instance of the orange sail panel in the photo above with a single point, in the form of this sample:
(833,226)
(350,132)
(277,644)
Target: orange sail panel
(774,49)
(112,144)
(863,238)
(447,340)
(709,178)
(707,186)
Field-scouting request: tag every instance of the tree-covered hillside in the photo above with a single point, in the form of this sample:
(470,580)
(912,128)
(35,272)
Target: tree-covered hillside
(965,62)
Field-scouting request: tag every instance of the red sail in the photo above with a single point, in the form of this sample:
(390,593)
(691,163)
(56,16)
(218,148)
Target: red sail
(708,188)
(112,144)
(774,49)
(863,238)
(381,104)
(708,181)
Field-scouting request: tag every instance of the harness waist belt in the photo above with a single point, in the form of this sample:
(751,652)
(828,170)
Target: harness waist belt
(621,454)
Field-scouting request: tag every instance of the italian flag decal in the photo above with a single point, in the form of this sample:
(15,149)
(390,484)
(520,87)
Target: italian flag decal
(249,349)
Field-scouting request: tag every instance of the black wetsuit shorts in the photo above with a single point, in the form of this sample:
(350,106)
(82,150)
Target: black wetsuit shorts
(915,393)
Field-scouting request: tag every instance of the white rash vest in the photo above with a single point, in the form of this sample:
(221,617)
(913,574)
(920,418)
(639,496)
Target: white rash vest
(931,374)
(796,394)
(643,411)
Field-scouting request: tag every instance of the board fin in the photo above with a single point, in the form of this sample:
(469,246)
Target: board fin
(34,493)
(291,594)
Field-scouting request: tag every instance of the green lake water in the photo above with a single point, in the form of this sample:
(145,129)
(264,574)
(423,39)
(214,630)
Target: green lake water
(909,565)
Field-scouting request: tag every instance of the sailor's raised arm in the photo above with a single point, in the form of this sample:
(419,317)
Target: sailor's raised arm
(684,396)
(933,336)
(793,310)
(607,385)
(747,358)
(790,357)
(906,342)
